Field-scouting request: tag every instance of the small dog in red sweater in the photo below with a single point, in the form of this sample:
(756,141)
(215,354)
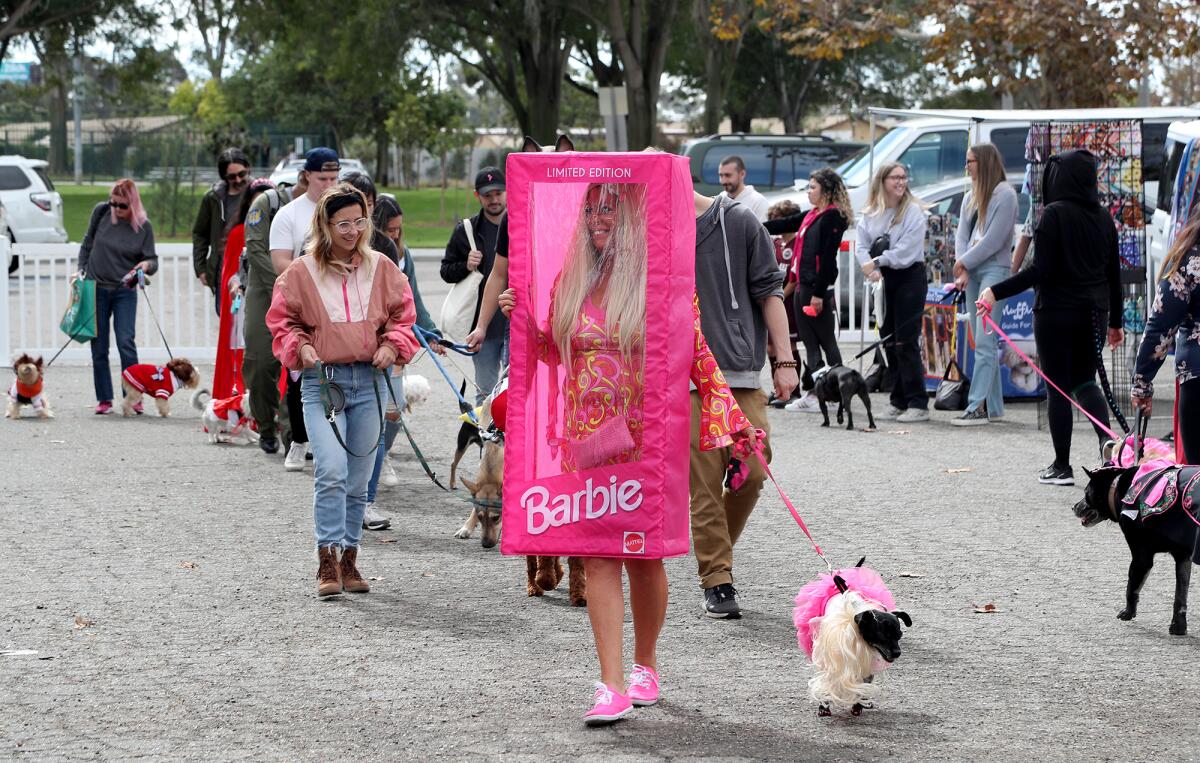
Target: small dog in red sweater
(160,382)
(26,389)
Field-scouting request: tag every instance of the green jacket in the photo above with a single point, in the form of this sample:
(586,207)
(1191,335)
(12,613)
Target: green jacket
(260,276)
(208,235)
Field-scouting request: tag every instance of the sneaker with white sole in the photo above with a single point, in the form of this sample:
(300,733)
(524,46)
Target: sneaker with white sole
(610,706)
(294,462)
(912,415)
(1057,475)
(975,418)
(806,404)
(891,412)
(373,520)
(387,474)
(643,686)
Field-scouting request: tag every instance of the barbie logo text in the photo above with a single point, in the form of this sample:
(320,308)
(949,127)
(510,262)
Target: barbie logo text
(545,511)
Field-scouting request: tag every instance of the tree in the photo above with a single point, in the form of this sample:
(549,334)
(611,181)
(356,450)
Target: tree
(1067,53)
(721,27)
(19,18)
(216,21)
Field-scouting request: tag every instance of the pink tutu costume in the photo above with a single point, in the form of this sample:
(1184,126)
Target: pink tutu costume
(812,599)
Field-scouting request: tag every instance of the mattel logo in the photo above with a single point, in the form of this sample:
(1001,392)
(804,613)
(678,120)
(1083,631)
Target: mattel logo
(635,543)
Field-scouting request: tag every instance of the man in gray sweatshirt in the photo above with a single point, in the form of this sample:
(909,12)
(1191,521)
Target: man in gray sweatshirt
(740,288)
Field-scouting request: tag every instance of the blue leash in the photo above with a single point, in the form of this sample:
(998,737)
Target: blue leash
(423,336)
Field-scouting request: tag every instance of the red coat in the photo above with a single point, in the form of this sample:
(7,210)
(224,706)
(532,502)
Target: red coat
(150,380)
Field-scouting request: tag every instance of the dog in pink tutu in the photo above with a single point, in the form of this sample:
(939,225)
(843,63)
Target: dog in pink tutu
(849,627)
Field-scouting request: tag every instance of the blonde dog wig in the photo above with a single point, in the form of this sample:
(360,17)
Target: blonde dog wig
(841,658)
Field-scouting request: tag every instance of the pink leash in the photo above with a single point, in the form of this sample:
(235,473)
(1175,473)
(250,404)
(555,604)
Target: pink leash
(786,501)
(991,324)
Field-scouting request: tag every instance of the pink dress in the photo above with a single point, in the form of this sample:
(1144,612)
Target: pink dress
(605,391)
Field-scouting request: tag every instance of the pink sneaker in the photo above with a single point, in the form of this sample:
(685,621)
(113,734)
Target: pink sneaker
(103,407)
(611,706)
(643,686)
(137,408)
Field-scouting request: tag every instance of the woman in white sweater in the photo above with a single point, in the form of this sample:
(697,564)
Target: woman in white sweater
(891,246)
(982,258)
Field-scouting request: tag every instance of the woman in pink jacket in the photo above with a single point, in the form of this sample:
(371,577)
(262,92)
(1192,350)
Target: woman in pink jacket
(341,313)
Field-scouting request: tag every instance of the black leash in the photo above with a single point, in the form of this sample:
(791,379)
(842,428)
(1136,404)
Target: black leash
(420,456)
(141,283)
(958,297)
(333,399)
(1098,333)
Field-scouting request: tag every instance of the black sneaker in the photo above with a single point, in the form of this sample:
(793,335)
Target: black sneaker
(1057,475)
(269,444)
(975,418)
(720,602)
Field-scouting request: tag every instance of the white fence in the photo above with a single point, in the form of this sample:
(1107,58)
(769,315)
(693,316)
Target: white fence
(37,294)
(32,305)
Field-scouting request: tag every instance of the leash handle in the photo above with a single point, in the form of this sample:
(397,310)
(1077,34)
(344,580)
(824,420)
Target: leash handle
(988,323)
(422,337)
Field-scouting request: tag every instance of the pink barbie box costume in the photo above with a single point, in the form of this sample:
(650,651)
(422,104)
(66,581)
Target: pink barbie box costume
(597,444)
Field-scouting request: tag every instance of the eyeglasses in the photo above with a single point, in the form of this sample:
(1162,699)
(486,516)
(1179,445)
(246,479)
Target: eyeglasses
(237,176)
(972,161)
(345,226)
(903,178)
(117,204)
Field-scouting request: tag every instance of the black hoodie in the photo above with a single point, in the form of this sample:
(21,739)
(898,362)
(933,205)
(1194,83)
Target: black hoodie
(1077,266)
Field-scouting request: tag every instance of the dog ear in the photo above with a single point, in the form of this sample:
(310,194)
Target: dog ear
(1088,472)
(530,145)
(841,584)
(903,617)
(860,562)
(864,615)
(469,485)
(38,362)
(564,143)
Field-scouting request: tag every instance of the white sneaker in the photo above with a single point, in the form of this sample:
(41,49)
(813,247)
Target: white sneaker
(387,474)
(891,412)
(373,520)
(294,462)
(806,404)
(912,415)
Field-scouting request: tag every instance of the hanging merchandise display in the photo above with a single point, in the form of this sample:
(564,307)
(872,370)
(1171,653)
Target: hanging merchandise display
(1117,145)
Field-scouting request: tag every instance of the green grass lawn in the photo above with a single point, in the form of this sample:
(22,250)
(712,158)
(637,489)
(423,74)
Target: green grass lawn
(424,224)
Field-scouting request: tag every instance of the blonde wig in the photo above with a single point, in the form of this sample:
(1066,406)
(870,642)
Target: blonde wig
(320,237)
(877,197)
(989,173)
(622,263)
(833,189)
(842,659)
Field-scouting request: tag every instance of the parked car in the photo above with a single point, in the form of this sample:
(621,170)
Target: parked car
(1179,136)
(34,210)
(772,161)
(287,172)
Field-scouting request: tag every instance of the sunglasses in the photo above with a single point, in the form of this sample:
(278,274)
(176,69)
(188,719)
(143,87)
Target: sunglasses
(345,226)
(118,204)
(237,176)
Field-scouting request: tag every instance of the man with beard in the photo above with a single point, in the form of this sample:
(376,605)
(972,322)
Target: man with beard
(732,174)
(218,214)
(462,258)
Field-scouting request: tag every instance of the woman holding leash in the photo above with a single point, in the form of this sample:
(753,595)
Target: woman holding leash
(1175,321)
(341,314)
(119,242)
(1077,292)
(982,258)
(595,329)
(891,246)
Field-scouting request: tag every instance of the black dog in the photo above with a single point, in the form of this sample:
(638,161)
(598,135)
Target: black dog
(1165,530)
(468,434)
(841,383)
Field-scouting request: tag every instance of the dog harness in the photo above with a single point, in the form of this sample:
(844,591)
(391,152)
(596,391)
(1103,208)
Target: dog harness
(1160,485)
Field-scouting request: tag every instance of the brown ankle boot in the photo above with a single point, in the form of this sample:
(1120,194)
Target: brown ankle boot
(351,580)
(328,581)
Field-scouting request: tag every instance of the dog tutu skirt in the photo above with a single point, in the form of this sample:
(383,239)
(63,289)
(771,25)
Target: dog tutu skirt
(813,597)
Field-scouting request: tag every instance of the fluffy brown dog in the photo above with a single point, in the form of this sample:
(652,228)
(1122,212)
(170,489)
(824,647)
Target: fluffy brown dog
(26,389)
(160,382)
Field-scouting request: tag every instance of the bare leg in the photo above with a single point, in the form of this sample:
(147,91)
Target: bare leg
(606,610)
(648,600)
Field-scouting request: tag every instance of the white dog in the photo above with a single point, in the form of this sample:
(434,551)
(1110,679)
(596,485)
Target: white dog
(225,420)
(416,390)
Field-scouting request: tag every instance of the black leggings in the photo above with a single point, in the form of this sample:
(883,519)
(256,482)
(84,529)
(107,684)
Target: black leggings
(296,411)
(1189,420)
(1066,346)
(904,293)
(818,334)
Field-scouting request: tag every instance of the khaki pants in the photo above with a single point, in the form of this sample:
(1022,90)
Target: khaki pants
(719,516)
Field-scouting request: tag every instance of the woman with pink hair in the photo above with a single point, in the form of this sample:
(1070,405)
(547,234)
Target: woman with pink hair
(119,242)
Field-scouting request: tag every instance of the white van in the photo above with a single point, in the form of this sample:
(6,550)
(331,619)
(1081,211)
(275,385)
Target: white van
(933,144)
(1179,134)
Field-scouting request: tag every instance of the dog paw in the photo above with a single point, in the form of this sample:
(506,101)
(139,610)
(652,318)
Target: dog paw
(856,710)
(823,711)
(463,533)
(533,590)
(825,424)
(1178,627)
(1127,614)
(578,601)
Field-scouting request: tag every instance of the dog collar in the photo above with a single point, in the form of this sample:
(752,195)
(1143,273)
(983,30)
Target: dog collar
(1112,499)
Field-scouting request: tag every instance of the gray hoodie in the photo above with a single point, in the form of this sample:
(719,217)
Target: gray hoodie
(735,270)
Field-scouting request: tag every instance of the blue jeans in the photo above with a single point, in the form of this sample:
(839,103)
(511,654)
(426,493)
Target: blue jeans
(340,479)
(985,380)
(492,354)
(390,428)
(120,307)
